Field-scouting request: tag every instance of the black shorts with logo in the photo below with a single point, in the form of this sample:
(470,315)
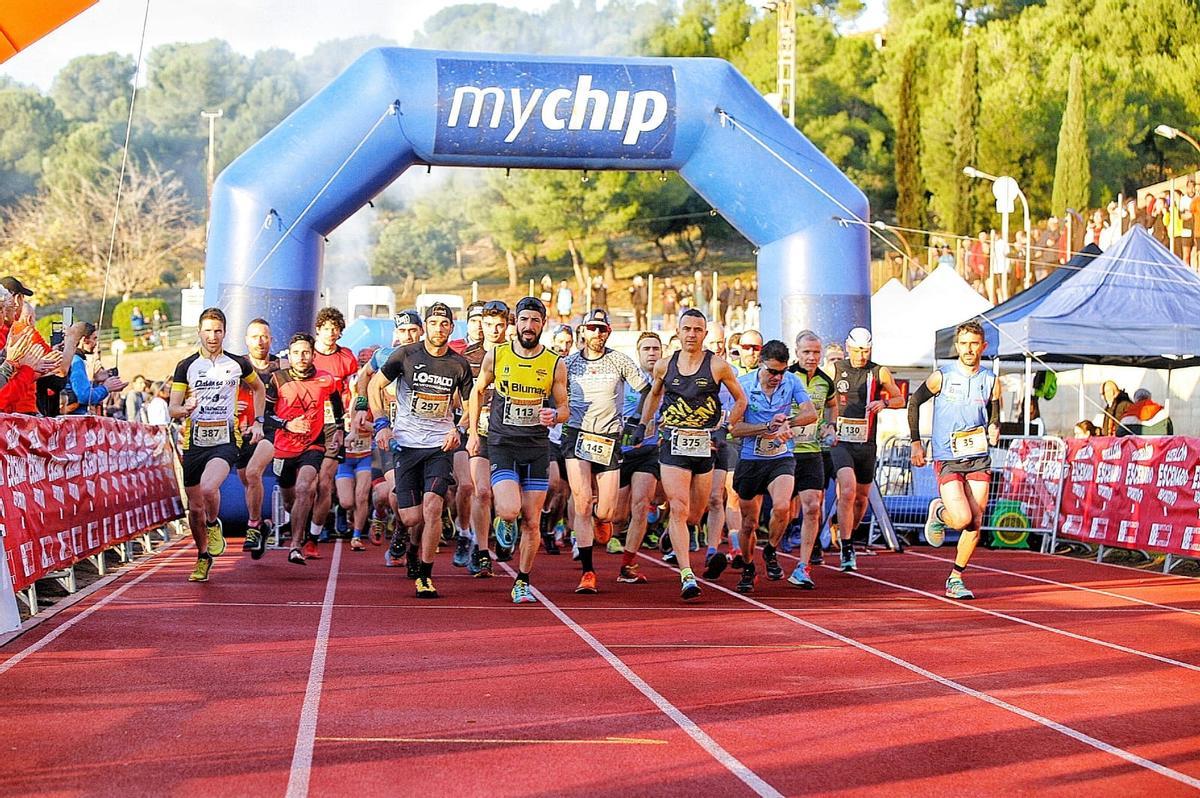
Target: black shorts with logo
(570,440)
(753,478)
(697,465)
(420,471)
(288,468)
(642,460)
(859,456)
(810,471)
(197,458)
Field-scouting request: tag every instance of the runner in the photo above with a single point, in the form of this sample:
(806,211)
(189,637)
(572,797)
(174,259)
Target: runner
(495,329)
(857,383)
(967,401)
(466,498)
(639,464)
(766,465)
(204,393)
(687,385)
(296,400)
(340,363)
(426,377)
(354,475)
(811,454)
(527,375)
(557,513)
(253,458)
(596,380)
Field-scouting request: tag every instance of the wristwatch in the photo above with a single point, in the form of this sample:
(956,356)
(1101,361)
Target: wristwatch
(260,420)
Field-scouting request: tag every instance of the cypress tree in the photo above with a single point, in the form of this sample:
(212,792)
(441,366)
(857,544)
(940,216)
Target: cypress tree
(1072,168)
(966,141)
(910,191)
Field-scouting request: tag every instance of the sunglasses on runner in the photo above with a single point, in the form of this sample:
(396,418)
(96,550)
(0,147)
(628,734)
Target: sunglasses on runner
(776,372)
(495,308)
(749,347)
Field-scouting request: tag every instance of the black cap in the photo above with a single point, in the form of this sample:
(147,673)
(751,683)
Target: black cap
(439,309)
(597,316)
(407,318)
(531,303)
(15,287)
(474,309)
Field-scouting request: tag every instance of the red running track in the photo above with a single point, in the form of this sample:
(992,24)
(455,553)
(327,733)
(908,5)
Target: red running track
(1063,678)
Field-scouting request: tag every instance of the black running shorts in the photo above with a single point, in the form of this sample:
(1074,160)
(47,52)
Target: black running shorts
(197,458)
(420,471)
(288,468)
(642,460)
(858,456)
(810,472)
(753,478)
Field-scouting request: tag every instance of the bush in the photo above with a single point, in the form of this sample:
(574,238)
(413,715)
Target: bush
(42,325)
(122,312)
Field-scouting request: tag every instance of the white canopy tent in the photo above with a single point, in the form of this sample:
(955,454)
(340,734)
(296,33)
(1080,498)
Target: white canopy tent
(905,336)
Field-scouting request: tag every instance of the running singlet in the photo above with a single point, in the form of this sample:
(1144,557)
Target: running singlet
(290,396)
(523,388)
(960,413)
(596,387)
(425,387)
(855,388)
(761,409)
(342,365)
(691,401)
(633,400)
(245,401)
(214,383)
(819,388)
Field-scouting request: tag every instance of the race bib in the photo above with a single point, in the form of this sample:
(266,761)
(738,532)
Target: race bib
(691,443)
(769,447)
(330,418)
(852,430)
(969,443)
(485,419)
(358,446)
(809,433)
(522,412)
(594,448)
(210,433)
(431,406)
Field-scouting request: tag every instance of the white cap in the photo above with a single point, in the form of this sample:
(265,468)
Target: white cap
(859,338)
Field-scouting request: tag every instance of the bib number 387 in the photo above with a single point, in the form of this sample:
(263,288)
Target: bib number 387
(210,433)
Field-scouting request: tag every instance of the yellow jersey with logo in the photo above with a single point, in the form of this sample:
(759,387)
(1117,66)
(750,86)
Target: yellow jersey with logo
(523,386)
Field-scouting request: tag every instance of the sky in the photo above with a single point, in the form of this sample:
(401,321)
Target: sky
(248,25)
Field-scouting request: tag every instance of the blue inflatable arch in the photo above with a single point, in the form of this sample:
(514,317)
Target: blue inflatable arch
(393,108)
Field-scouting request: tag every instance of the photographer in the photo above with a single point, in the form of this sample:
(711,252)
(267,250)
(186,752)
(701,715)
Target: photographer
(86,392)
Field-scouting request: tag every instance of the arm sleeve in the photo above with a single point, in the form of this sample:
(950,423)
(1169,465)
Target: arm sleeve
(993,411)
(270,420)
(81,386)
(918,398)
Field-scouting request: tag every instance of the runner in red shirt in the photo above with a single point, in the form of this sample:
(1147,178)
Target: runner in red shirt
(341,364)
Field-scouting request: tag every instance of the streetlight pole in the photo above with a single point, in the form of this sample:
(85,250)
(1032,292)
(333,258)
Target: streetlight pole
(971,171)
(212,117)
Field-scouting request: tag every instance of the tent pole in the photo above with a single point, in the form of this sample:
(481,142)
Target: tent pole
(1082,388)
(1028,391)
(1167,403)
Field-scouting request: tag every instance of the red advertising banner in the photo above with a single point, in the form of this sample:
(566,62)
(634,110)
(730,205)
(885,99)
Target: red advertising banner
(1032,478)
(1134,493)
(72,487)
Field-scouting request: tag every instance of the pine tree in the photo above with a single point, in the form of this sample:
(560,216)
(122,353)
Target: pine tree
(966,141)
(910,189)
(1072,169)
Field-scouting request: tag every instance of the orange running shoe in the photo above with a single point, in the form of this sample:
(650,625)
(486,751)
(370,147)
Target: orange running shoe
(587,584)
(603,531)
(310,550)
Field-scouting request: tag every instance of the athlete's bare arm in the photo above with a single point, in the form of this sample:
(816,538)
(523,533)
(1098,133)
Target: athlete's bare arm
(894,399)
(654,398)
(559,392)
(361,387)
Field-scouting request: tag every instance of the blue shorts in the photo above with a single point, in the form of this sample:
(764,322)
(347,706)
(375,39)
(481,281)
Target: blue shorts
(350,468)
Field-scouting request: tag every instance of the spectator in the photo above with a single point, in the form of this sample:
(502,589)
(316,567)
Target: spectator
(723,299)
(1046,252)
(702,296)
(599,293)
(547,295)
(135,399)
(1146,416)
(946,257)
(83,391)
(638,298)
(137,322)
(1086,429)
(670,307)
(158,323)
(735,315)
(564,302)
(1112,227)
(1117,404)
(752,291)
(1188,208)
(18,356)
(156,408)
(978,259)
(48,371)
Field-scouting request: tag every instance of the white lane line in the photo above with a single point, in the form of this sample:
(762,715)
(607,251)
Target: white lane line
(1043,580)
(1024,621)
(306,734)
(689,727)
(38,645)
(1074,734)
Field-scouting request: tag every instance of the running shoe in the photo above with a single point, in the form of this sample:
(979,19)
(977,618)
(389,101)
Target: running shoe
(602,531)
(310,550)
(448,530)
(341,522)
(481,565)
(324,538)
(955,589)
(664,543)
(200,572)
(935,529)
(715,565)
(550,544)
(256,542)
(631,576)
(560,530)
(587,583)
(801,577)
(774,569)
(462,552)
(506,533)
(296,557)
(376,532)
(216,538)
(689,588)
(670,558)
(615,546)
(817,557)
(650,541)
(748,580)
(693,539)
(849,559)
(503,554)
(356,543)
(425,588)
(791,540)
(413,564)
(575,551)
(737,562)
(521,593)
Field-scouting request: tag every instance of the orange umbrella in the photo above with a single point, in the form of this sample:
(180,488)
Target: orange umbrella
(24,22)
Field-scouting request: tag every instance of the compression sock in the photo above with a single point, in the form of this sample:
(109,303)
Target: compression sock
(585,558)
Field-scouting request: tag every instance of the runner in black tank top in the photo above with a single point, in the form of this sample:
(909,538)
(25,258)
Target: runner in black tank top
(686,387)
(862,388)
